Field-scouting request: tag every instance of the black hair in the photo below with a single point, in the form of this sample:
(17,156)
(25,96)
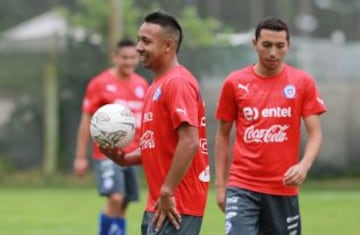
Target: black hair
(125,43)
(166,21)
(272,23)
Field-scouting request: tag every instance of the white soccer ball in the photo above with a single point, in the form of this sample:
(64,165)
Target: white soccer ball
(113,124)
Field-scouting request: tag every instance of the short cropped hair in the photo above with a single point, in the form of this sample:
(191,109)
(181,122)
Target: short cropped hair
(272,23)
(125,43)
(168,22)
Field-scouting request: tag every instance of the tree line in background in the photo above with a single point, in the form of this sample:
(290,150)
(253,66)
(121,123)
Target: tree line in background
(81,60)
(319,18)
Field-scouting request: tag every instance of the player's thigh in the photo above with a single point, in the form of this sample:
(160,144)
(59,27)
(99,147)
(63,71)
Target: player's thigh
(131,184)
(280,215)
(190,225)
(109,177)
(242,212)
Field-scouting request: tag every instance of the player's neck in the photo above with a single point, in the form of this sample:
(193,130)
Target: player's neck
(264,72)
(119,74)
(165,67)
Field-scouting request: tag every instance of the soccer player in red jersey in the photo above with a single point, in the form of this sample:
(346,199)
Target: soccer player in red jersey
(173,135)
(267,102)
(119,84)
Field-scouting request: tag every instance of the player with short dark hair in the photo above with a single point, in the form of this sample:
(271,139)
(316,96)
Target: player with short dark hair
(173,135)
(119,84)
(266,101)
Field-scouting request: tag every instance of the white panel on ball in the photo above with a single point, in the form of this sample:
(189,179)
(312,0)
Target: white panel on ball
(113,124)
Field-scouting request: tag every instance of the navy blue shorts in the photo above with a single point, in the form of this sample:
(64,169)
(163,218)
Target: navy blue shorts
(252,213)
(190,225)
(112,178)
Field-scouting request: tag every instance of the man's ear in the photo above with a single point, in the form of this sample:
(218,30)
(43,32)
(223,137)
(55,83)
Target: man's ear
(170,44)
(253,42)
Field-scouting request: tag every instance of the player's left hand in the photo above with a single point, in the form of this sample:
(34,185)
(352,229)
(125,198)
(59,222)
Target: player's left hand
(114,153)
(295,175)
(166,209)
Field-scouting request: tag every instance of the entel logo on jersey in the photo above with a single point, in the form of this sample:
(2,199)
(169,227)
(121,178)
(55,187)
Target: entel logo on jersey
(252,113)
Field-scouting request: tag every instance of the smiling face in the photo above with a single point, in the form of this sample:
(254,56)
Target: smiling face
(271,47)
(153,45)
(125,60)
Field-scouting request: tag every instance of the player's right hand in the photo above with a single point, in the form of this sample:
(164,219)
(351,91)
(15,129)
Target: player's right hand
(220,197)
(166,209)
(80,166)
(114,153)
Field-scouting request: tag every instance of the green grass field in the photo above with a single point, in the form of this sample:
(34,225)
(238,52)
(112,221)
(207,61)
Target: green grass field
(59,211)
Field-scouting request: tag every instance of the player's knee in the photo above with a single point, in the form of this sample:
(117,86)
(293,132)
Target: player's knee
(116,199)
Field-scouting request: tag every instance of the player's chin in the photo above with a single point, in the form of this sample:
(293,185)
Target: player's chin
(146,64)
(128,70)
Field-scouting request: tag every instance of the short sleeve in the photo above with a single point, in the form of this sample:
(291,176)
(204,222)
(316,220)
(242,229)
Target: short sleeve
(182,99)
(312,102)
(92,100)
(226,108)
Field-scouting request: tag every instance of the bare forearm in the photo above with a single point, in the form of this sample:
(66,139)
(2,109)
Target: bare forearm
(133,158)
(312,149)
(119,157)
(314,140)
(183,157)
(221,159)
(83,136)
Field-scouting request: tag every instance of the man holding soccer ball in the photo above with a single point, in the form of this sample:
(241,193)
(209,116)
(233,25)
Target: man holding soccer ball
(173,135)
(266,101)
(119,84)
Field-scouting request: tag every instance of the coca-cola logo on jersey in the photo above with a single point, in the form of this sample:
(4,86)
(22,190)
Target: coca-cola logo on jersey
(147,140)
(274,134)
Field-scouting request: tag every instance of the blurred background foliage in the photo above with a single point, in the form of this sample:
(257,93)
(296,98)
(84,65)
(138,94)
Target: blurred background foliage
(325,35)
(240,15)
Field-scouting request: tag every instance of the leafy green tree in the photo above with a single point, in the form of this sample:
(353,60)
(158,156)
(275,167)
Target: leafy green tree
(200,32)
(94,15)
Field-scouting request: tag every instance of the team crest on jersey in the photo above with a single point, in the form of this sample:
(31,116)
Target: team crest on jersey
(157,94)
(290,91)
(139,92)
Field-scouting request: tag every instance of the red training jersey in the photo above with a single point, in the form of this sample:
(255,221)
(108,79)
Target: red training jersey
(267,112)
(170,101)
(106,88)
